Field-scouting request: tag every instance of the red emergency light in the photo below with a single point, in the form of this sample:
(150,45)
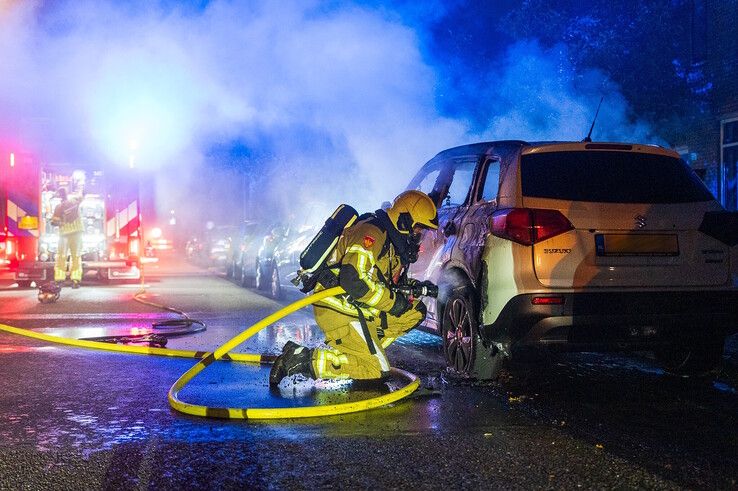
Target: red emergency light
(134,247)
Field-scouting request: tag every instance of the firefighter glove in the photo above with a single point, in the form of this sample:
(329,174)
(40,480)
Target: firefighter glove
(401,305)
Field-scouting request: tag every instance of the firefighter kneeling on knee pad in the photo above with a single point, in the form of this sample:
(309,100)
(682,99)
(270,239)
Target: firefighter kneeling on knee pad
(367,262)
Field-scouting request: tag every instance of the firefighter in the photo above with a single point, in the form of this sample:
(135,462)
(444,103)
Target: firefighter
(67,218)
(368,260)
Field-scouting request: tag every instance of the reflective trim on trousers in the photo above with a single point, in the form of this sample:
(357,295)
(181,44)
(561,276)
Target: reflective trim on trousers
(378,354)
(325,359)
(342,306)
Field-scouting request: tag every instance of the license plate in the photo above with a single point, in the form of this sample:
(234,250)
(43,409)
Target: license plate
(637,245)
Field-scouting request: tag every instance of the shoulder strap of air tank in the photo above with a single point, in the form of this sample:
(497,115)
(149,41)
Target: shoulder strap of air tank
(377,222)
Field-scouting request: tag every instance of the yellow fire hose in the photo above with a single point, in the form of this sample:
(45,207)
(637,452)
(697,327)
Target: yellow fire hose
(223,353)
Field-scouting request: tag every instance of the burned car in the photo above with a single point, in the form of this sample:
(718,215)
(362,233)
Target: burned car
(576,246)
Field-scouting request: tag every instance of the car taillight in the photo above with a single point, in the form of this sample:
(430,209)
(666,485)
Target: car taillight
(547,300)
(528,225)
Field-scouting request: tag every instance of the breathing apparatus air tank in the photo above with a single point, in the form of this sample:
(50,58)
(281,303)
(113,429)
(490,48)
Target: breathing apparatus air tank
(313,258)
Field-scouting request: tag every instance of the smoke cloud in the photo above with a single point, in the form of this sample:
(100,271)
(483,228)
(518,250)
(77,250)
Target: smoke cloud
(269,110)
(535,94)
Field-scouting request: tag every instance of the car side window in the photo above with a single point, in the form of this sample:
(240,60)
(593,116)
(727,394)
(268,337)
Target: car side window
(461,182)
(491,181)
(428,182)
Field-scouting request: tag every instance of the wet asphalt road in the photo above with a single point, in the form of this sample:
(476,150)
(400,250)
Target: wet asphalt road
(73,418)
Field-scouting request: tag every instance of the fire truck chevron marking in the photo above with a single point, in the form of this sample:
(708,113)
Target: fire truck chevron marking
(124,222)
(15,213)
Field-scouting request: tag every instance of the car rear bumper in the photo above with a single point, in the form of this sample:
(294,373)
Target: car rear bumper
(615,321)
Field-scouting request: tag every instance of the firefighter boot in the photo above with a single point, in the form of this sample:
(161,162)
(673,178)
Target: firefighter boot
(294,360)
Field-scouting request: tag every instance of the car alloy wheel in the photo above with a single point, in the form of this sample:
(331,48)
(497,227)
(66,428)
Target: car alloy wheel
(459,332)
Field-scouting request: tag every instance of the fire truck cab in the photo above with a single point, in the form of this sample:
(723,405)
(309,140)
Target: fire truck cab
(109,209)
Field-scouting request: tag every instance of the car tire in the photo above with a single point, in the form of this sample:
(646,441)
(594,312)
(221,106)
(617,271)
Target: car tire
(691,359)
(275,285)
(259,282)
(463,348)
(247,281)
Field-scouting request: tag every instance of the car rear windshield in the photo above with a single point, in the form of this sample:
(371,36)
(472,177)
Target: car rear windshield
(611,177)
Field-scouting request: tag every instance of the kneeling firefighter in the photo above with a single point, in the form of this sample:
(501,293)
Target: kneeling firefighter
(368,261)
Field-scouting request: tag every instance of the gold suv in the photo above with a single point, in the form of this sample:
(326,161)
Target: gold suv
(576,246)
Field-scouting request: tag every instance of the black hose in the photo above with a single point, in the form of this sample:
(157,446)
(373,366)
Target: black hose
(161,330)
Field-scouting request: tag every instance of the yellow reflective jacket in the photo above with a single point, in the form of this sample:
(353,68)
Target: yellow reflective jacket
(365,270)
(66,215)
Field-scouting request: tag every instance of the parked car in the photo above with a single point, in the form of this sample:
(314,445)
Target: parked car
(278,258)
(195,250)
(576,246)
(212,249)
(242,263)
(218,245)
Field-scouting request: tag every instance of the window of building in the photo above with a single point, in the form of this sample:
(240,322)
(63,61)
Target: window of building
(729,163)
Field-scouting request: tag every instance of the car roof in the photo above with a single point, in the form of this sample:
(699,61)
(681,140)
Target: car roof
(526,147)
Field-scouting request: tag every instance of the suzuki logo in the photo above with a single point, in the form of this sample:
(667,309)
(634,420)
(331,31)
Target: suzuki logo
(640,221)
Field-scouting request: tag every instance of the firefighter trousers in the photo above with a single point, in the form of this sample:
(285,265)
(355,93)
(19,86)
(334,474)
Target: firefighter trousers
(69,244)
(351,354)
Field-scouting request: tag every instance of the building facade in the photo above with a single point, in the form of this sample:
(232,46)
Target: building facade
(710,143)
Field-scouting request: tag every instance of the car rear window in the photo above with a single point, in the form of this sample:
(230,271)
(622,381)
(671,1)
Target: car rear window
(611,177)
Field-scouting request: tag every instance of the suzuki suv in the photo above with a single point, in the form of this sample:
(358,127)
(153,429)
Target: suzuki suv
(576,247)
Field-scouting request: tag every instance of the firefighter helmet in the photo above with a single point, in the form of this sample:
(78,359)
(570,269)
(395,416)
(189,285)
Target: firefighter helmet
(413,208)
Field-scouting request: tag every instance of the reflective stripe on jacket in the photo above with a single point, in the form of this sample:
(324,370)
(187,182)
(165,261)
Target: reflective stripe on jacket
(363,273)
(67,215)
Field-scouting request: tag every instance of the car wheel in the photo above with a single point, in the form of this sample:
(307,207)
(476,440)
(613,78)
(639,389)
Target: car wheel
(259,278)
(691,360)
(247,280)
(263,275)
(276,287)
(463,349)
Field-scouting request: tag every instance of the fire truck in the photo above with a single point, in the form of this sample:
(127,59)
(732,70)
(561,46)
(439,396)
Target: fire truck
(109,208)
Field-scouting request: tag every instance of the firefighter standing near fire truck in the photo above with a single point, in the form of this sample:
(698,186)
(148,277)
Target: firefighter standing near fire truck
(67,218)
(367,261)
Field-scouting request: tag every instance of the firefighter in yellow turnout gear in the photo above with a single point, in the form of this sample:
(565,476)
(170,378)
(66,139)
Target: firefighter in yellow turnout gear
(361,324)
(67,217)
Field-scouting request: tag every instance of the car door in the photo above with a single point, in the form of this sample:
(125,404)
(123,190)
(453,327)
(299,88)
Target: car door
(449,183)
(475,224)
